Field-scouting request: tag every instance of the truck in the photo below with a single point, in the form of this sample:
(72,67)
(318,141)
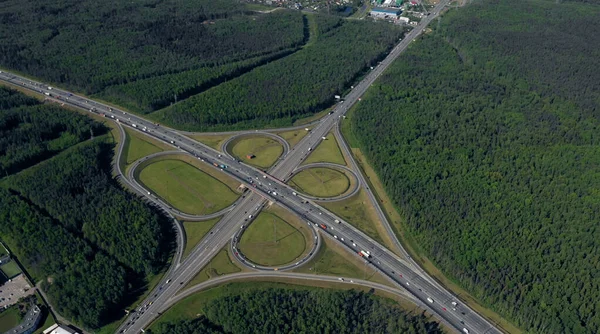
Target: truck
(215,164)
(337,221)
(364,254)
(135,126)
(222,166)
(294,193)
(47,94)
(466,331)
(430,300)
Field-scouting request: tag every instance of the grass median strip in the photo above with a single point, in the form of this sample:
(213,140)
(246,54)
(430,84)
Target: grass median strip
(327,151)
(320,182)
(195,231)
(358,211)
(293,136)
(186,187)
(220,265)
(138,146)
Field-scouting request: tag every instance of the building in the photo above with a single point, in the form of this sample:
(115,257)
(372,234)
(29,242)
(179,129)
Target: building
(404,20)
(30,322)
(59,329)
(386,13)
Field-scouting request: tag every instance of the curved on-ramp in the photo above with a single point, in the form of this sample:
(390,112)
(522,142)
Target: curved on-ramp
(147,193)
(286,146)
(239,256)
(346,194)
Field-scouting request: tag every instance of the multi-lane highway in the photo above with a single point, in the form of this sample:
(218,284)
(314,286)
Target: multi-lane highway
(270,187)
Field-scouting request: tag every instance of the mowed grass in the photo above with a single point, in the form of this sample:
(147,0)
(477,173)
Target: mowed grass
(271,241)
(320,182)
(327,151)
(293,137)
(332,260)
(138,146)
(195,231)
(265,150)
(214,141)
(9,319)
(186,187)
(357,210)
(10,269)
(221,264)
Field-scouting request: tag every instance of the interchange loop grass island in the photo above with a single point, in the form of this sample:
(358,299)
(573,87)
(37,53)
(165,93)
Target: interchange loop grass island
(186,187)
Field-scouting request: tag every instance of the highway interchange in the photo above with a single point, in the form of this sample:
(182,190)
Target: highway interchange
(270,187)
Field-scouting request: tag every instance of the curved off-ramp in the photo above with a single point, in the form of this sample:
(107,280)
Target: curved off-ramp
(166,206)
(277,275)
(346,194)
(181,238)
(286,146)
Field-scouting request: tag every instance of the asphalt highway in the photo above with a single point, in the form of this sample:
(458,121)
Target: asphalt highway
(270,187)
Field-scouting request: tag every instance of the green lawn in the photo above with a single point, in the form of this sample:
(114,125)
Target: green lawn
(220,265)
(186,187)
(10,269)
(320,182)
(357,210)
(331,260)
(213,141)
(138,146)
(327,151)
(265,150)
(271,241)
(9,319)
(195,231)
(294,136)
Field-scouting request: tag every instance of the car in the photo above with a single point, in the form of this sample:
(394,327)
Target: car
(168,281)
(335,236)
(340,279)
(353,244)
(454,304)
(250,217)
(342,239)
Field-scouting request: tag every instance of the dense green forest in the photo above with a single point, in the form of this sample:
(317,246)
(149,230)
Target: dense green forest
(293,87)
(103,47)
(89,242)
(301,311)
(31,131)
(486,135)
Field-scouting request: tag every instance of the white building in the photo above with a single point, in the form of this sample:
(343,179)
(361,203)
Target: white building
(58,329)
(403,19)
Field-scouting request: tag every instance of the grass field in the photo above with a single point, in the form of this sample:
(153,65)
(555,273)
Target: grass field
(265,150)
(271,241)
(9,319)
(357,211)
(138,146)
(10,269)
(213,141)
(220,265)
(327,151)
(320,182)
(186,187)
(294,136)
(195,231)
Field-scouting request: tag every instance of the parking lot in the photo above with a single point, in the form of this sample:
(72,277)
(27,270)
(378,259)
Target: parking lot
(14,290)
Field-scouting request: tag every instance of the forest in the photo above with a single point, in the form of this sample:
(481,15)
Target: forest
(301,311)
(296,86)
(485,134)
(31,131)
(103,47)
(88,241)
